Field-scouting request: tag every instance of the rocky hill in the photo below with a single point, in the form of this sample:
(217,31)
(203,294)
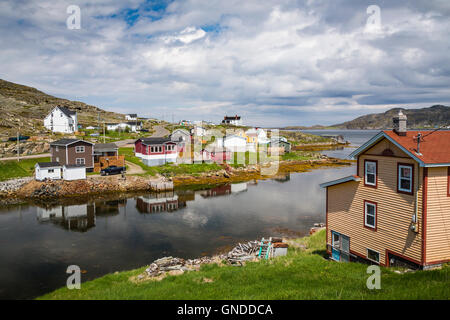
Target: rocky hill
(26,107)
(435,116)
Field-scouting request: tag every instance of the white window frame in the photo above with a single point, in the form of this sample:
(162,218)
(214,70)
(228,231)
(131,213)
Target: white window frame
(80,162)
(400,166)
(367,255)
(56,149)
(374,216)
(81,147)
(366,174)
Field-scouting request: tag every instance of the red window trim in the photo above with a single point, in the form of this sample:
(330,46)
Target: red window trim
(448,182)
(376,215)
(376,174)
(398,178)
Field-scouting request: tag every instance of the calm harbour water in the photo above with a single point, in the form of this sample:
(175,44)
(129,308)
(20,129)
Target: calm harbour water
(122,232)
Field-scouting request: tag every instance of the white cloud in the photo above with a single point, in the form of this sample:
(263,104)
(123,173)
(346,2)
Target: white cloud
(275,62)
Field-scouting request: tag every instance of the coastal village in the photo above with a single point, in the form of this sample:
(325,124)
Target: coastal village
(83,151)
(393,211)
(420,188)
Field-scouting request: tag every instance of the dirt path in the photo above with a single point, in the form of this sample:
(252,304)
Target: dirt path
(133,168)
(160,131)
(43,155)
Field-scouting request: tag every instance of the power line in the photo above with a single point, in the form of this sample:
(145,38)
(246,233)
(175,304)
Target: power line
(443,127)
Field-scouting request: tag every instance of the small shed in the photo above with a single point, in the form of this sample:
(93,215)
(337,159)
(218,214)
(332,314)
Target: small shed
(74,172)
(47,170)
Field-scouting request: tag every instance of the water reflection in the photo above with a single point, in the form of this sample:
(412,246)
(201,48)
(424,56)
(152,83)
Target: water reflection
(159,202)
(124,231)
(73,218)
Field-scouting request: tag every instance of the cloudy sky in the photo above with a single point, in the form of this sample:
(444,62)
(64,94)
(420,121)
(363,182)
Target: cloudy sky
(273,62)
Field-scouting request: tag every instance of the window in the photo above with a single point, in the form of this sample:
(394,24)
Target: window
(51,170)
(80,161)
(405,178)
(370,214)
(57,149)
(370,173)
(57,159)
(336,240)
(152,149)
(373,256)
(79,149)
(159,149)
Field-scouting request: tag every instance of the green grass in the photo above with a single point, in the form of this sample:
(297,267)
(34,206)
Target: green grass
(302,274)
(18,169)
(299,156)
(169,169)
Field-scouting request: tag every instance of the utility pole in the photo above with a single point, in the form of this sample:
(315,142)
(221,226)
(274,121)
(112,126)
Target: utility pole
(103,131)
(18,145)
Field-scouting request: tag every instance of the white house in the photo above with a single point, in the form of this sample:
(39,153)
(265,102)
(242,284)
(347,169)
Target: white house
(233,143)
(133,126)
(62,120)
(131,117)
(233,120)
(198,131)
(47,170)
(74,172)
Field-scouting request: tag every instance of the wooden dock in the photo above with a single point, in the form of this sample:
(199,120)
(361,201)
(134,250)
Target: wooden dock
(159,186)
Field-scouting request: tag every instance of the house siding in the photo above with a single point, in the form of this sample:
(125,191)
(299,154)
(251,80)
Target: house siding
(87,154)
(58,156)
(345,208)
(438,216)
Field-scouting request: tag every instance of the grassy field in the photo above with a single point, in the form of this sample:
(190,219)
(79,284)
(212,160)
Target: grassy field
(240,159)
(302,274)
(18,169)
(169,169)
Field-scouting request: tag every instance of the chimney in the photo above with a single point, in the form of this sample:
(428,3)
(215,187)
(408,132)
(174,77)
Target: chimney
(400,124)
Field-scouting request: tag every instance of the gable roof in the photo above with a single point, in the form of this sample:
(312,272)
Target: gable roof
(341,180)
(234,136)
(179,130)
(66,142)
(434,148)
(236,117)
(66,111)
(48,164)
(105,147)
(156,140)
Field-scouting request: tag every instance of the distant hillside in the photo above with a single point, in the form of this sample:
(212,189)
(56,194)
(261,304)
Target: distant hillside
(27,107)
(435,116)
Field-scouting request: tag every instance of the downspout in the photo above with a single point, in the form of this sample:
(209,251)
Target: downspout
(415,225)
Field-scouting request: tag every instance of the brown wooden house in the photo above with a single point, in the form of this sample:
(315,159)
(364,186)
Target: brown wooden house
(395,209)
(107,154)
(73,152)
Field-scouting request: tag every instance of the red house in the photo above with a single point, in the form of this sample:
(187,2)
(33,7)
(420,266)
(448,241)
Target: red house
(156,151)
(216,154)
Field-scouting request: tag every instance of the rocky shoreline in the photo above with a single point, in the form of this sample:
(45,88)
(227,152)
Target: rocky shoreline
(165,266)
(22,189)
